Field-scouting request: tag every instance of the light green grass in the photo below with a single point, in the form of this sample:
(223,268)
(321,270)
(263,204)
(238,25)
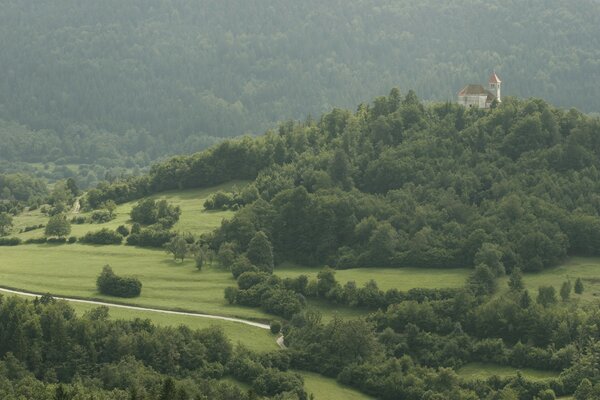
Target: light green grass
(194,218)
(329,389)
(71,270)
(321,387)
(484,371)
(588,269)
(254,338)
(388,278)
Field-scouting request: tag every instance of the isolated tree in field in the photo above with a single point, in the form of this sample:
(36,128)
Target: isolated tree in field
(202,254)
(515,281)
(565,291)
(178,247)
(578,286)
(58,225)
(6,222)
(260,252)
(546,295)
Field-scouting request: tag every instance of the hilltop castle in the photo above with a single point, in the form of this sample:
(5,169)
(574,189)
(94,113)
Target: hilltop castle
(474,95)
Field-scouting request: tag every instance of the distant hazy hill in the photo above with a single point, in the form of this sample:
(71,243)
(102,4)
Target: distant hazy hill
(108,79)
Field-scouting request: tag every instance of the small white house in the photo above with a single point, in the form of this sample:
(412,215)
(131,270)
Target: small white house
(475,95)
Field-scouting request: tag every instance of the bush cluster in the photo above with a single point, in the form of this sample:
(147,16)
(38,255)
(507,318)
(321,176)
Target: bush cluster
(149,237)
(103,236)
(13,241)
(110,284)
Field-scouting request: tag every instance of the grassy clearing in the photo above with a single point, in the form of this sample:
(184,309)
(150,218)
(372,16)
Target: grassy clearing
(329,389)
(586,268)
(254,338)
(484,371)
(388,278)
(321,387)
(71,270)
(193,218)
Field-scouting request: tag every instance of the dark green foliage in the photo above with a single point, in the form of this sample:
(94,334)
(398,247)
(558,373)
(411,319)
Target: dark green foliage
(101,216)
(154,102)
(6,223)
(110,284)
(482,281)
(103,236)
(58,226)
(515,280)
(546,296)
(47,353)
(579,286)
(260,252)
(149,237)
(149,212)
(275,327)
(565,290)
(14,241)
(123,230)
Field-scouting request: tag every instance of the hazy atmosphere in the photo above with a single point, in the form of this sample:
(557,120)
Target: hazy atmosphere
(260,199)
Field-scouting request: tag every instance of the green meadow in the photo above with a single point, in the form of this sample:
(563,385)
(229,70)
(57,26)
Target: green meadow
(193,217)
(388,278)
(71,270)
(253,338)
(322,388)
(485,370)
(588,269)
(329,389)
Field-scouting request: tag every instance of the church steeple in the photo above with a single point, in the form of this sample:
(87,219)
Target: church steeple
(495,84)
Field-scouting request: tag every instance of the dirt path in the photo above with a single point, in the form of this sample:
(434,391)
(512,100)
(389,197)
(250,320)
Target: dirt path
(102,303)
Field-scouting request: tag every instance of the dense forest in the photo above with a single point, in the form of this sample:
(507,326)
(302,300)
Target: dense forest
(122,83)
(48,353)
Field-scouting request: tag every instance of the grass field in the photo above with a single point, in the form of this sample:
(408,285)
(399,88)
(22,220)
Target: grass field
(388,278)
(254,338)
(320,387)
(193,218)
(71,270)
(484,371)
(329,389)
(588,269)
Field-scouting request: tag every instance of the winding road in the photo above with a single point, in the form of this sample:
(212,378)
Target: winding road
(136,308)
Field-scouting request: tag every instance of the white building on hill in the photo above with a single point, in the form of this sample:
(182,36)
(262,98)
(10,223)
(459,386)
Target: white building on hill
(475,95)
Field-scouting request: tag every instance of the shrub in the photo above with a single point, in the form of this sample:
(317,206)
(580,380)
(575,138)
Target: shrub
(123,231)
(79,220)
(39,240)
(61,240)
(149,237)
(275,327)
(32,228)
(101,216)
(103,236)
(72,240)
(110,284)
(14,241)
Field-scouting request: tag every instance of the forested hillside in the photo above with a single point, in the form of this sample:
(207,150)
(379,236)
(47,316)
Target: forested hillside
(397,183)
(112,80)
